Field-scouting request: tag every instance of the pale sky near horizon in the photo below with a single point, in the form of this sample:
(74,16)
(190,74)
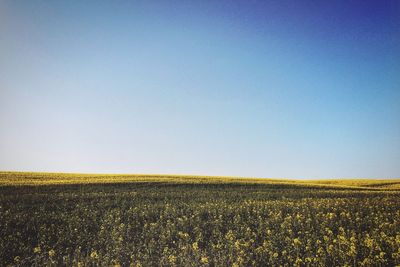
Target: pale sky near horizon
(291,89)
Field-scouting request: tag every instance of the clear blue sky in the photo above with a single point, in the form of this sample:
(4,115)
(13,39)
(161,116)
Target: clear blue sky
(296,89)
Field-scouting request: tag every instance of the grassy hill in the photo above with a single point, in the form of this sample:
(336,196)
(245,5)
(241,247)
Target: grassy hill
(42,178)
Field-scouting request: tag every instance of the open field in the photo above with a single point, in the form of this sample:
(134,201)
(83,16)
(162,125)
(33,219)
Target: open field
(156,220)
(25,178)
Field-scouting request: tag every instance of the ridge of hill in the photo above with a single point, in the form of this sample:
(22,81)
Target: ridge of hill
(44,178)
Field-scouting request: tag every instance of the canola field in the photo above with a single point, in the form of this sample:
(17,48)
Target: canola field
(154,220)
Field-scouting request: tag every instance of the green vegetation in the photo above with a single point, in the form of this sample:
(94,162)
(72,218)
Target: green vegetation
(142,220)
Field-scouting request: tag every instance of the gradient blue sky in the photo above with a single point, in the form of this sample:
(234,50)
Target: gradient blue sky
(296,89)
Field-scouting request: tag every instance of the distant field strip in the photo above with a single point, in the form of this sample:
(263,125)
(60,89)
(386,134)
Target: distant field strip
(33,178)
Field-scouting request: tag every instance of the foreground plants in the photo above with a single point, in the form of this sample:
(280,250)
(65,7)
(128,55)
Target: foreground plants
(203,224)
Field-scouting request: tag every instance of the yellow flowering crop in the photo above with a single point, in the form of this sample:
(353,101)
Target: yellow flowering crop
(100,220)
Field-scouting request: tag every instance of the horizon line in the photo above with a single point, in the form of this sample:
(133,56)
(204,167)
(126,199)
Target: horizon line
(194,175)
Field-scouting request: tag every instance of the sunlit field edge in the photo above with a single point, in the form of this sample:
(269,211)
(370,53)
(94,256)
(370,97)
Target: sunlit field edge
(8,178)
